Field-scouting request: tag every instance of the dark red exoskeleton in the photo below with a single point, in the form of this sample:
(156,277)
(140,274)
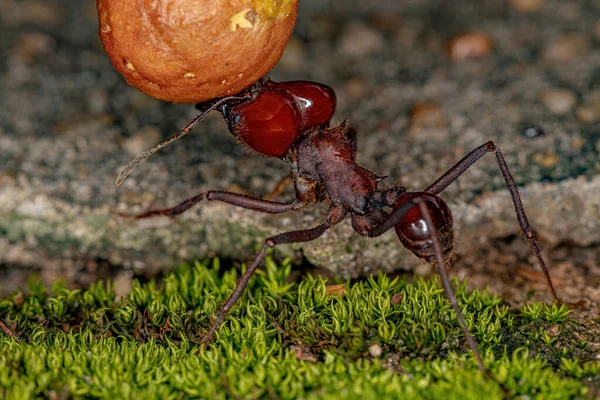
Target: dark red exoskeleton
(272,120)
(291,121)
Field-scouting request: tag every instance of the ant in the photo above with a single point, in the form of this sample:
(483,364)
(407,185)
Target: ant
(291,121)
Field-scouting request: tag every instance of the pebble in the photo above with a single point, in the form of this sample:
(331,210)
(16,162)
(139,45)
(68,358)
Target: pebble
(355,88)
(360,40)
(397,298)
(43,13)
(566,47)
(97,101)
(547,159)
(469,45)
(32,45)
(558,101)
(145,138)
(587,114)
(426,118)
(577,143)
(132,198)
(123,283)
(531,132)
(335,289)
(526,6)
(375,350)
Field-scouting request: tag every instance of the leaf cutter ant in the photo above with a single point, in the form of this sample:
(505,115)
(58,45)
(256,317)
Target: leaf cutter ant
(291,121)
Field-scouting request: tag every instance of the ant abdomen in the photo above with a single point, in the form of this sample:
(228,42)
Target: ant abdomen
(412,228)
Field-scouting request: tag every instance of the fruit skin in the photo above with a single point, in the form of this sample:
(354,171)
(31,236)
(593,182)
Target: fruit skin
(190,51)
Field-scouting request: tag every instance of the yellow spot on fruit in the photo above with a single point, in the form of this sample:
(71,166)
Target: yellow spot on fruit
(129,65)
(240,20)
(273,9)
(189,75)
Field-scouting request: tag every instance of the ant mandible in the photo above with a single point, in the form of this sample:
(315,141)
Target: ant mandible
(291,121)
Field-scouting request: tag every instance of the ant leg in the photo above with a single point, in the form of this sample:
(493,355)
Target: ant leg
(456,171)
(240,200)
(334,216)
(433,235)
(279,188)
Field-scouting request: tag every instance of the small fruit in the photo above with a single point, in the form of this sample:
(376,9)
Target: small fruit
(190,51)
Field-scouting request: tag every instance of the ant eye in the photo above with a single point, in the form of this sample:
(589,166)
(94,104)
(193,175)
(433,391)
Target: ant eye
(236,118)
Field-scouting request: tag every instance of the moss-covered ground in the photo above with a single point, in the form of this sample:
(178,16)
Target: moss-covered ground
(377,338)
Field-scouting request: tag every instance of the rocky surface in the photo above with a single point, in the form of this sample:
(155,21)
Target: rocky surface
(69,123)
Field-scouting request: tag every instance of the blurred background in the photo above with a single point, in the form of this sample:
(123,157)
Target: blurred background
(423,81)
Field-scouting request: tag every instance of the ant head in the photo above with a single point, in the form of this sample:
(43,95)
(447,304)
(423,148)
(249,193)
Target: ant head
(274,114)
(268,122)
(412,228)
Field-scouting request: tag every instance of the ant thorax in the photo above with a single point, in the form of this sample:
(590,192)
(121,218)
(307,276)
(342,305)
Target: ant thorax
(327,158)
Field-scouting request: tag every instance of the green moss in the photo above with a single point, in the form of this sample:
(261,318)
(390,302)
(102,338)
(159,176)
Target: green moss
(282,340)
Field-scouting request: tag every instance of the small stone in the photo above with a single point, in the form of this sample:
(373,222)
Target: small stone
(566,48)
(32,45)
(123,283)
(303,353)
(577,143)
(143,200)
(144,139)
(375,350)
(97,101)
(558,101)
(335,289)
(546,159)
(387,20)
(43,13)
(397,298)
(355,88)
(469,45)
(526,6)
(427,119)
(423,269)
(360,40)
(587,114)
(531,132)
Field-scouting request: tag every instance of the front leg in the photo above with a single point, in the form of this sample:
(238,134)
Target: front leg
(470,159)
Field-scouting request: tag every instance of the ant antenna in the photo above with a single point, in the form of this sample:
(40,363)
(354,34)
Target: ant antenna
(186,129)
